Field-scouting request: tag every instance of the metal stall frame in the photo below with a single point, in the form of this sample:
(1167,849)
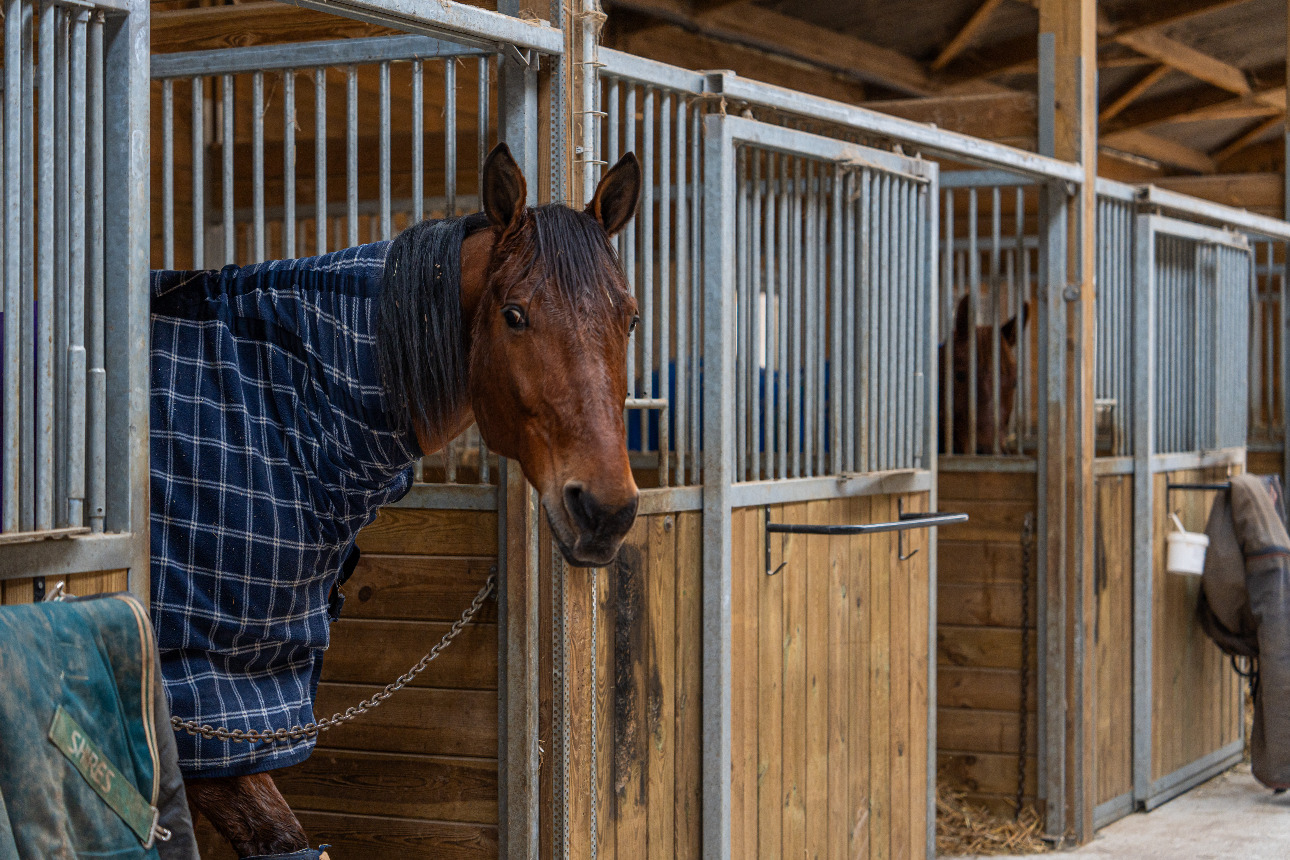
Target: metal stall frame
(89,461)
(1147,792)
(720,490)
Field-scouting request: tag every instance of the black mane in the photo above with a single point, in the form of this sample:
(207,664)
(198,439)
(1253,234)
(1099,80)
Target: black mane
(419,343)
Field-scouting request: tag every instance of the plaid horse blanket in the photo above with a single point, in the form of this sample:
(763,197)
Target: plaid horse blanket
(271,447)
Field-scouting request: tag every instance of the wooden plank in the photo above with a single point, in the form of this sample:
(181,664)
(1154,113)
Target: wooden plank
(1263,462)
(366,837)
(379,651)
(689,679)
(417,588)
(972,562)
(754,554)
(918,634)
(436,787)
(1132,93)
(973,486)
(965,34)
(989,519)
(741,665)
(989,689)
(817,580)
(410,531)
(415,720)
(1113,638)
(1250,136)
(1263,191)
(987,647)
(661,597)
(841,702)
(986,772)
(607,727)
(988,605)
(770,694)
(979,730)
(1008,117)
(859,608)
(1159,149)
(242,25)
(630,746)
(793,738)
(880,682)
(1184,58)
(900,740)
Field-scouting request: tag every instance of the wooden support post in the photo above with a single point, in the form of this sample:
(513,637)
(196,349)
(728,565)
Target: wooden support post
(1068,478)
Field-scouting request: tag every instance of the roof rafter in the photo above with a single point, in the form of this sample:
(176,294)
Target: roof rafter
(1132,94)
(1184,58)
(965,34)
(1248,137)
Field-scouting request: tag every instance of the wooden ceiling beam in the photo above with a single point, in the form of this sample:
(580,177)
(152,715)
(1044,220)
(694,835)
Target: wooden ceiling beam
(1184,58)
(965,35)
(1196,105)
(1132,94)
(1159,149)
(1000,116)
(1258,191)
(255,23)
(766,30)
(1243,140)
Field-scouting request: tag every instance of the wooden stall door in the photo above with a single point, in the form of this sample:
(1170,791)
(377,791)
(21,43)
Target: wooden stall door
(1196,697)
(1112,637)
(829,686)
(417,776)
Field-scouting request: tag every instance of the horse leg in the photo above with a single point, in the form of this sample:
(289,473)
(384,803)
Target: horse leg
(249,812)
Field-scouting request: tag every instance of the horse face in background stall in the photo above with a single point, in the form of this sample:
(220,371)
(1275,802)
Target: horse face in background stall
(988,431)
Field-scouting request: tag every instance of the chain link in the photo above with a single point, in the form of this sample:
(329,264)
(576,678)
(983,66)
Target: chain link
(1027,546)
(313,729)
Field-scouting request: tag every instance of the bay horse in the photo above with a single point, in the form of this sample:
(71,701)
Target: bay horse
(988,431)
(321,391)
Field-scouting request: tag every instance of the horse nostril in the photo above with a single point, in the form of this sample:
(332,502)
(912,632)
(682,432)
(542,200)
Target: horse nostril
(594,517)
(580,506)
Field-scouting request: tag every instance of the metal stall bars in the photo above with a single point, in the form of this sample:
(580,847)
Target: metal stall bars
(1267,350)
(384,93)
(73,462)
(841,288)
(655,110)
(1190,335)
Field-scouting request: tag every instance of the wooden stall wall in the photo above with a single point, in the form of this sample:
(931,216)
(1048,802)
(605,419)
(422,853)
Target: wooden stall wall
(647,685)
(829,655)
(1264,462)
(417,776)
(80,584)
(1113,637)
(1196,697)
(980,615)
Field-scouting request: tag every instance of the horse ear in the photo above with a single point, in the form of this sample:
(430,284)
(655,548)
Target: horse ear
(505,191)
(614,203)
(961,321)
(1008,331)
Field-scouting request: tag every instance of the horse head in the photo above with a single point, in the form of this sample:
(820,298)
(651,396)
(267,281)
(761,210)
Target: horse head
(548,353)
(987,430)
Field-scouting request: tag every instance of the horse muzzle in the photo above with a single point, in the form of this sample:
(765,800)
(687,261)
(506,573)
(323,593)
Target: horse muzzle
(588,529)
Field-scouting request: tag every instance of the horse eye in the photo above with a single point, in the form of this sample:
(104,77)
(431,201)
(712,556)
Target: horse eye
(632,326)
(515,316)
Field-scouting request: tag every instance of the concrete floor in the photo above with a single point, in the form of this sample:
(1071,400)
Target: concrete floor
(1231,817)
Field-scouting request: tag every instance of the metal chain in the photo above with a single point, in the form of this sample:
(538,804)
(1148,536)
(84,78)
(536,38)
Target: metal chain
(1027,545)
(296,733)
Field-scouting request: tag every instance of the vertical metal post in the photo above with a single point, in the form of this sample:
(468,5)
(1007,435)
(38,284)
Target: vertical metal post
(351,154)
(198,143)
(718,437)
(96,382)
(75,421)
(1144,395)
(226,171)
(168,173)
(418,144)
(257,166)
(450,137)
(289,164)
(320,161)
(45,304)
(384,135)
(16,52)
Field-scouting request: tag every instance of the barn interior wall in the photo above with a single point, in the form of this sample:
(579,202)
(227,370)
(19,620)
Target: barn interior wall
(981,619)
(419,773)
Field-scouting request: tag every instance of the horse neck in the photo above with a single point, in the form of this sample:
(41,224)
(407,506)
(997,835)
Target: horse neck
(476,253)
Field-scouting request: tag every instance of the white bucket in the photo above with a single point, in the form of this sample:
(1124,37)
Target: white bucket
(1186,550)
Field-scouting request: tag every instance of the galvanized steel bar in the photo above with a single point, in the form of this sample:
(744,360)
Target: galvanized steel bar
(289,164)
(351,155)
(996,357)
(837,259)
(16,60)
(76,356)
(62,289)
(418,144)
(810,321)
(383,134)
(973,291)
(259,251)
(168,174)
(304,55)
(848,423)
(743,252)
(666,364)
(450,137)
(627,250)
(320,161)
(44,406)
(685,366)
(784,324)
(947,315)
(96,378)
(868,320)
(795,303)
(226,175)
(27,307)
(645,289)
(1144,360)
(198,143)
